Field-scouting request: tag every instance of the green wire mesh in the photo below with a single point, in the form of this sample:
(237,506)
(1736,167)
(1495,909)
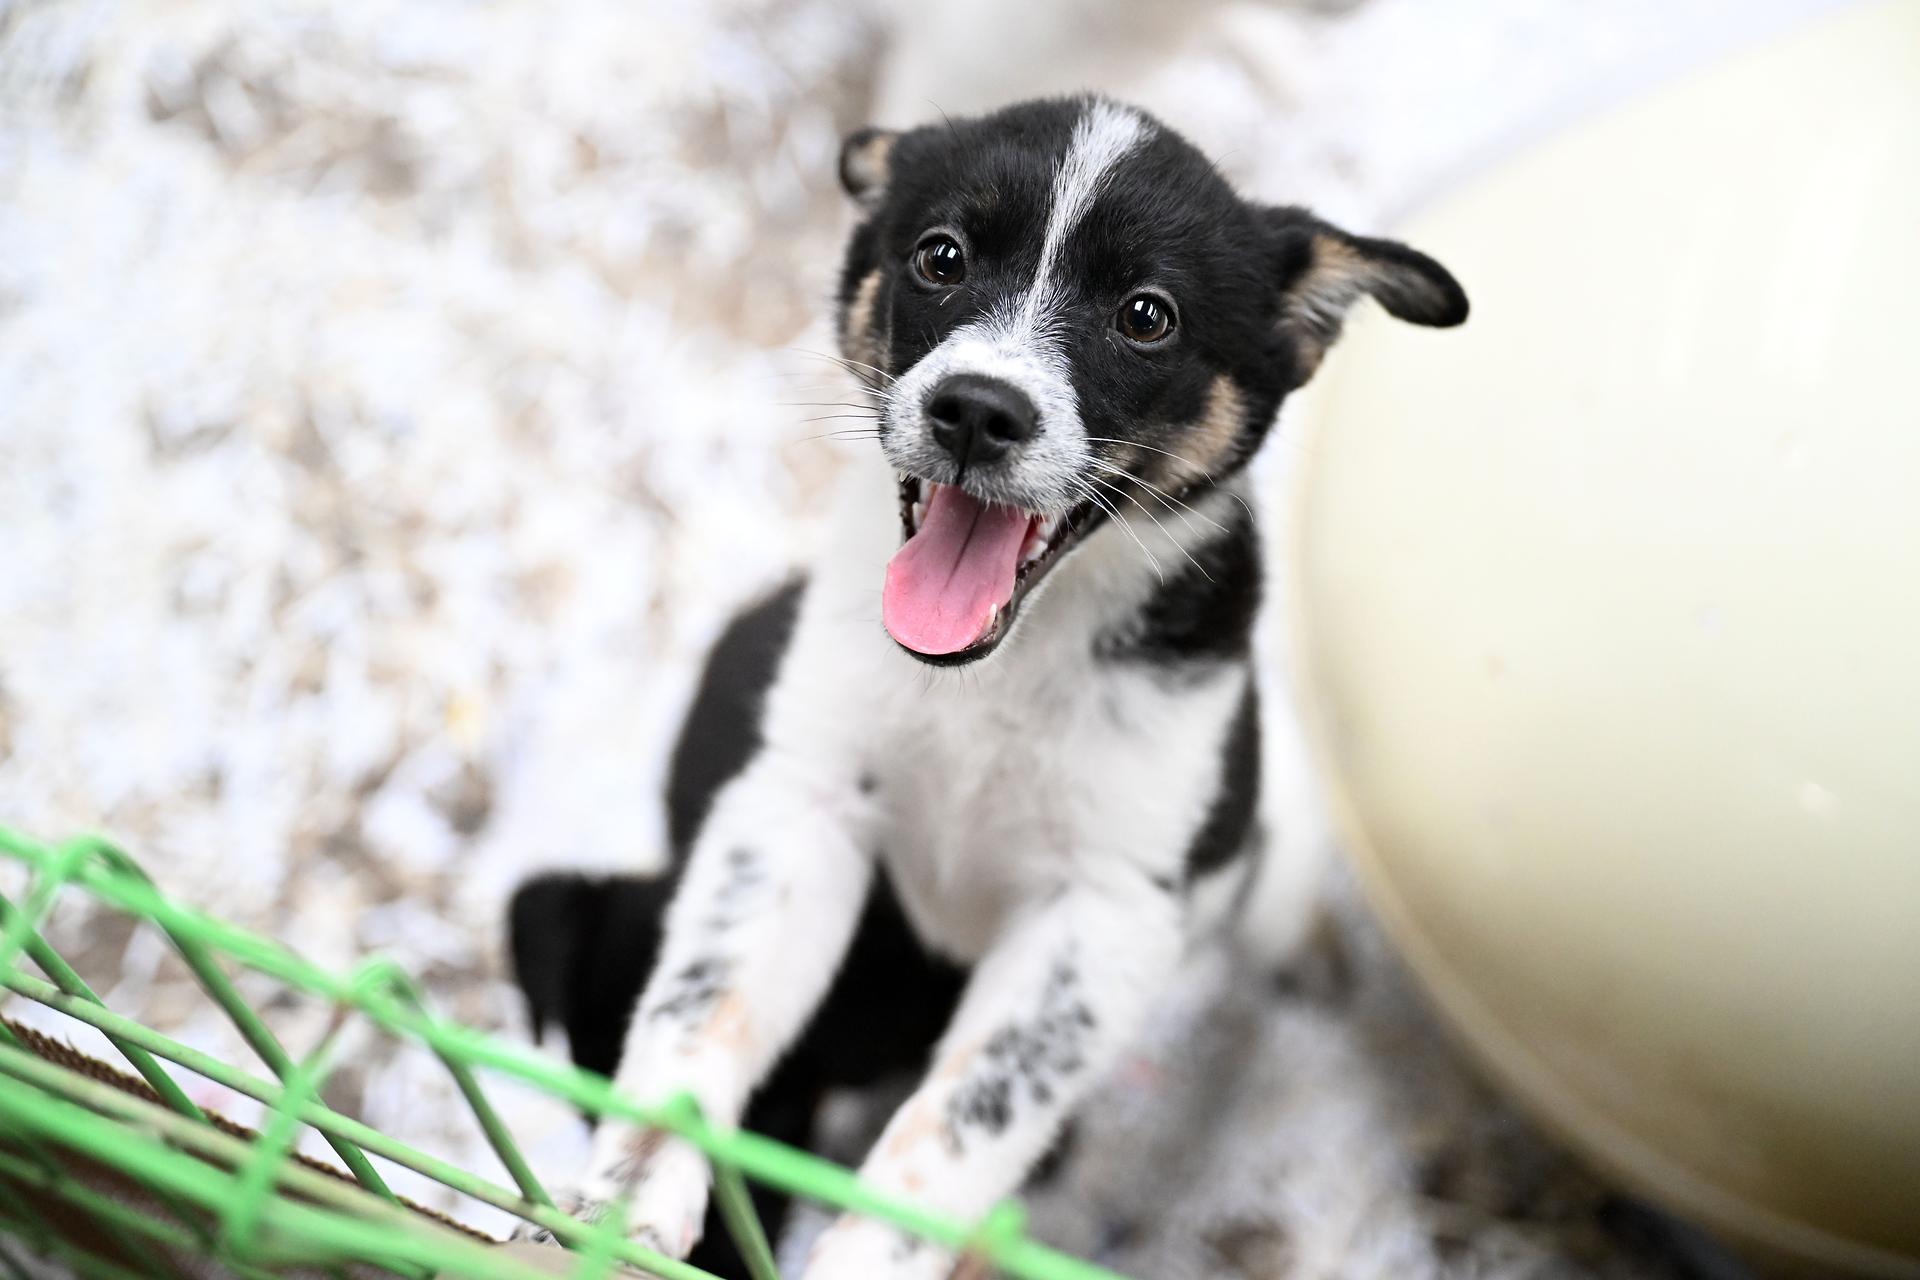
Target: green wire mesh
(120,1178)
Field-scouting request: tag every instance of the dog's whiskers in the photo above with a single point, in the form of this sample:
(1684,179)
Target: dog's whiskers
(1089,493)
(859,385)
(1202,471)
(846,363)
(1109,485)
(1199,470)
(851,433)
(1165,498)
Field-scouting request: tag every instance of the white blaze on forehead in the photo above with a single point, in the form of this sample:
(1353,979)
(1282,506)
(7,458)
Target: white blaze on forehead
(1104,136)
(1015,342)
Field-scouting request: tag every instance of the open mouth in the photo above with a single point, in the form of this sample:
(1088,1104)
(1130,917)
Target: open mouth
(966,564)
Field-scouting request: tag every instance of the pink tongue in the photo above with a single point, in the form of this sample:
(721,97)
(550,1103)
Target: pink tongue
(943,586)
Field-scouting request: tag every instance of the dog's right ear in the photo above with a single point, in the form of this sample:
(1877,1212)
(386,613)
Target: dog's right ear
(1325,270)
(865,163)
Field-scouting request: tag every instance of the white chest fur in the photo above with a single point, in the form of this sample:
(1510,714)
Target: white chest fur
(994,786)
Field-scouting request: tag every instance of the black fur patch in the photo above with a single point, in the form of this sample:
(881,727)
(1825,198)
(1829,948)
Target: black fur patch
(722,730)
(581,948)
(1203,612)
(1223,834)
(1024,1060)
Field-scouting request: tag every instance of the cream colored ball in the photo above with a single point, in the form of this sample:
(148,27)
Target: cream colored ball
(1608,613)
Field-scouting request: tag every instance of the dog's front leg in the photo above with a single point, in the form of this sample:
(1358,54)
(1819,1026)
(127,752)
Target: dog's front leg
(1046,1013)
(762,920)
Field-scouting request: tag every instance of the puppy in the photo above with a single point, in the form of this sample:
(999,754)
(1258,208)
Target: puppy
(958,799)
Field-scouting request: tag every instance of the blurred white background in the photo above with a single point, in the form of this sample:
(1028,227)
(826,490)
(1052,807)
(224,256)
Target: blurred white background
(394,399)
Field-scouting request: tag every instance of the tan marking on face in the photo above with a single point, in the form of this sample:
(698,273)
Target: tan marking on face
(861,342)
(1207,443)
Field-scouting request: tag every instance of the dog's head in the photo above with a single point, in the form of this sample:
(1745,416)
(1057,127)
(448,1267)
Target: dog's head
(1061,307)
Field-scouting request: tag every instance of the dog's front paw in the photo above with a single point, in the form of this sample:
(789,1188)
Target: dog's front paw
(665,1181)
(660,1181)
(861,1249)
(575,1204)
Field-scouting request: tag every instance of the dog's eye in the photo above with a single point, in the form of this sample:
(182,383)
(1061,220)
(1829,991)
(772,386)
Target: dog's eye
(940,261)
(1145,318)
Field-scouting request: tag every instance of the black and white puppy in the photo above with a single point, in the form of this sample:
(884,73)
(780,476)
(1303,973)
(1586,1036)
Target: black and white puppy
(1075,336)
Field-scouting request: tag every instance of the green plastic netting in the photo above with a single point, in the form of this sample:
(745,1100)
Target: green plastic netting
(115,1177)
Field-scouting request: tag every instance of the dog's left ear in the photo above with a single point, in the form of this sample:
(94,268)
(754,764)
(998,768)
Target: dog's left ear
(866,159)
(1324,270)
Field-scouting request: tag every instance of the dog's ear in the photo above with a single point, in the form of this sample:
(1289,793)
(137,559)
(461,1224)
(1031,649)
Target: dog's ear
(1325,270)
(866,158)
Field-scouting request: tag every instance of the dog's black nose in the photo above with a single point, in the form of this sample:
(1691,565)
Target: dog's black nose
(978,419)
